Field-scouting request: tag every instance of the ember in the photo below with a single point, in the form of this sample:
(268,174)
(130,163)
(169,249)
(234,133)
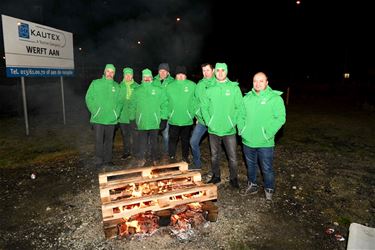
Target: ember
(136,204)
(179,219)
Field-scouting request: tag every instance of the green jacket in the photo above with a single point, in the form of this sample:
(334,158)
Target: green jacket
(149,106)
(103,101)
(221,107)
(181,104)
(264,116)
(200,91)
(165,83)
(125,90)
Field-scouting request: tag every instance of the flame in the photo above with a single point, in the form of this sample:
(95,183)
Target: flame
(194,205)
(137,193)
(175,218)
(134,224)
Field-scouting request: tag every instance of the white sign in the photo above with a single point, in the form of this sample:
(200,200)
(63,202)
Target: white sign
(33,50)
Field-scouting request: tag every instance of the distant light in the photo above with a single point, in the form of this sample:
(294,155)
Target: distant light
(178,19)
(298,2)
(139,42)
(79,48)
(18,23)
(346,75)
(4,57)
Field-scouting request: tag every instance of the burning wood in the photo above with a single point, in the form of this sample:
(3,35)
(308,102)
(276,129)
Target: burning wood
(131,205)
(150,188)
(179,219)
(144,223)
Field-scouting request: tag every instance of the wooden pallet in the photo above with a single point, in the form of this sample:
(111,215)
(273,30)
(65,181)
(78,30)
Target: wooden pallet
(115,207)
(110,183)
(109,192)
(134,174)
(112,215)
(130,207)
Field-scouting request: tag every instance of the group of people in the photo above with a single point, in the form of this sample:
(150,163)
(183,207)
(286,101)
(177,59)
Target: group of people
(172,106)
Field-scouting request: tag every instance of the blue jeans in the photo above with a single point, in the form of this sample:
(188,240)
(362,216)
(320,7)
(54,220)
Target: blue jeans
(196,137)
(165,134)
(265,158)
(230,144)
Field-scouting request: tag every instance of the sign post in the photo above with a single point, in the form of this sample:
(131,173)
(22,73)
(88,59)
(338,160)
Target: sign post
(34,50)
(25,105)
(62,97)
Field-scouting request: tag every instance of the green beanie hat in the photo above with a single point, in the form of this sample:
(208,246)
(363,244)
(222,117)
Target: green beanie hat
(221,66)
(110,66)
(128,71)
(146,72)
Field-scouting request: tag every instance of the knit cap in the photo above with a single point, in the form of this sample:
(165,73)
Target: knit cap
(146,72)
(221,66)
(164,66)
(128,71)
(110,66)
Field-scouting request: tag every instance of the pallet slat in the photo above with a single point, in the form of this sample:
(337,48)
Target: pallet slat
(148,172)
(105,190)
(158,202)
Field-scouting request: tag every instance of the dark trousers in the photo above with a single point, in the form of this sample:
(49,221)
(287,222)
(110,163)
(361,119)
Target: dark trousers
(230,144)
(145,138)
(103,143)
(176,132)
(129,137)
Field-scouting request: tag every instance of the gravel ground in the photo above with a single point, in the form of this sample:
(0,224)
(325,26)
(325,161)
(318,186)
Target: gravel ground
(325,178)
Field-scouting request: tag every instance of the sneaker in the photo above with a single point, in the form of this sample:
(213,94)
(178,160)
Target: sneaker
(125,156)
(193,167)
(269,193)
(250,189)
(207,177)
(214,180)
(234,183)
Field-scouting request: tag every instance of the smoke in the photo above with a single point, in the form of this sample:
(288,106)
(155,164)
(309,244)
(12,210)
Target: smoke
(152,34)
(137,33)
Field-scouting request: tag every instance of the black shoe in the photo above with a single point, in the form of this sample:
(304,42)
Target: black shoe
(172,159)
(108,164)
(140,163)
(214,180)
(186,160)
(125,156)
(234,183)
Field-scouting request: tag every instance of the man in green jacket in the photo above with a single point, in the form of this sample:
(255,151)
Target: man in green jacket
(149,107)
(163,79)
(181,109)
(221,108)
(264,116)
(126,122)
(104,103)
(200,127)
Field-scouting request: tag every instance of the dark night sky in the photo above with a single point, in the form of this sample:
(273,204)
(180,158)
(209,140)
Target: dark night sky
(318,39)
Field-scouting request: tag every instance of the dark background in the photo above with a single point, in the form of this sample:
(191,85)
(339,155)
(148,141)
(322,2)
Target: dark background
(307,47)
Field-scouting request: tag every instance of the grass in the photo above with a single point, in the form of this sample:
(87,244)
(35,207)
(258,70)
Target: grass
(333,128)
